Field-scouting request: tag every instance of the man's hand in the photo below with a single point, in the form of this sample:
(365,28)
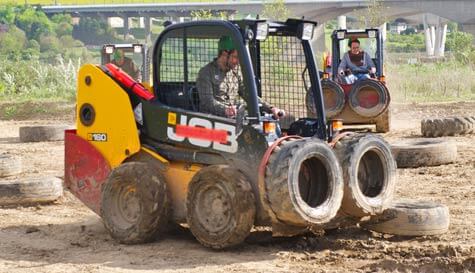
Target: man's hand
(230,111)
(277,113)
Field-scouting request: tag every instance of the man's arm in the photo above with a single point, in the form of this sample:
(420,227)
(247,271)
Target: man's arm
(208,103)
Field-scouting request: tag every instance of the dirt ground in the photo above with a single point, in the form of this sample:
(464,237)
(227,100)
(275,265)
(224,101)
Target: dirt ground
(68,237)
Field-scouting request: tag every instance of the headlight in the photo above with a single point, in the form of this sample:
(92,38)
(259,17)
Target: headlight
(340,34)
(262,30)
(306,31)
(109,49)
(137,49)
(372,33)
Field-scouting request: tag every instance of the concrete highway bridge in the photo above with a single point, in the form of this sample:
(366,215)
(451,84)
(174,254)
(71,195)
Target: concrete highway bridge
(461,11)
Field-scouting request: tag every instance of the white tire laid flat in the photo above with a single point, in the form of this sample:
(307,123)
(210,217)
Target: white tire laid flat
(415,153)
(411,218)
(30,190)
(42,133)
(9,165)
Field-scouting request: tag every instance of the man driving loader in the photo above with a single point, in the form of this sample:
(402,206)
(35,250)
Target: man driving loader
(126,64)
(356,64)
(219,83)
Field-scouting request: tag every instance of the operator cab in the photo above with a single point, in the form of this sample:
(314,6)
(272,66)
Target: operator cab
(371,42)
(135,52)
(276,63)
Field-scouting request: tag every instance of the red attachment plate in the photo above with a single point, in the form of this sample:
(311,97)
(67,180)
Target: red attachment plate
(85,170)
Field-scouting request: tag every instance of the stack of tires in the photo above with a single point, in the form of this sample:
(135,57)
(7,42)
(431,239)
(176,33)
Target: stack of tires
(21,189)
(18,188)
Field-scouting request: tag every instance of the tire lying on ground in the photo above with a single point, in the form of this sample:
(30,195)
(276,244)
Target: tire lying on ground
(437,127)
(9,165)
(42,133)
(30,190)
(411,218)
(415,153)
(369,172)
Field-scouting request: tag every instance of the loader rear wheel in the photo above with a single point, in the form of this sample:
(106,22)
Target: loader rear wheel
(369,172)
(135,203)
(220,206)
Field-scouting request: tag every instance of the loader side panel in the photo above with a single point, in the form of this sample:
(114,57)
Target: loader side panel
(105,117)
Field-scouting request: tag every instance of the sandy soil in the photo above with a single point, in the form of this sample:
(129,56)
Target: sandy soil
(67,237)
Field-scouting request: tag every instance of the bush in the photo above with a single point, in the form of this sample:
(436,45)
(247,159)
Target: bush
(35,80)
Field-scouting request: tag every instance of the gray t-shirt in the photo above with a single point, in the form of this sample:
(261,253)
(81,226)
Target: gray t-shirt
(219,89)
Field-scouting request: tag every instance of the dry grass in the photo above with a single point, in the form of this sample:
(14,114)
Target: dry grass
(430,82)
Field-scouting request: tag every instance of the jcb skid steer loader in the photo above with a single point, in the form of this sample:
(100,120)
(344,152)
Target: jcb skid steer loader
(144,159)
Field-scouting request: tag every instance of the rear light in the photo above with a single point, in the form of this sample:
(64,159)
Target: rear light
(269,127)
(326,76)
(382,78)
(337,125)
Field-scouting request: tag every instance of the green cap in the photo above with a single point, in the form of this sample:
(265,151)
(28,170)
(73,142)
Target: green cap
(117,55)
(226,43)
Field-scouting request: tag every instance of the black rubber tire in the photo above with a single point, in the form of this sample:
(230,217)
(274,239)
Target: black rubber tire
(286,183)
(144,222)
(42,133)
(414,153)
(328,87)
(30,190)
(10,165)
(221,207)
(383,101)
(369,173)
(411,218)
(438,127)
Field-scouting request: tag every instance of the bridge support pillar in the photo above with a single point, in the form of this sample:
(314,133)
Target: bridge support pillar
(126,27)
(148,31)
(318,42)
(435,36)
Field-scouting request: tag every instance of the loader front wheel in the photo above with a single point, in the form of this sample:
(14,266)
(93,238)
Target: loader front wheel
(135,203)
(220,206)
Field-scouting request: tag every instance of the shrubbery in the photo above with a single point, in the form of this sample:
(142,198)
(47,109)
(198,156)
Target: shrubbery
(31,35)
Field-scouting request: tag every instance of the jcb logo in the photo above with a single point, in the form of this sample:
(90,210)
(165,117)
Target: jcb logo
(101,137)
(203,133)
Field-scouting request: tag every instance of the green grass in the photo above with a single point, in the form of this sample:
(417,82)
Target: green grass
(101,2)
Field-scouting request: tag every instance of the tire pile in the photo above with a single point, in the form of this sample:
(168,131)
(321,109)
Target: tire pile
(439,127)
(18,188)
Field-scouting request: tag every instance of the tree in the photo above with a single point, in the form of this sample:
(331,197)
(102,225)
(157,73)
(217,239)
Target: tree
(34,22)
(461,45)
(372,16)
(7,14)
(12,42)
(276,10)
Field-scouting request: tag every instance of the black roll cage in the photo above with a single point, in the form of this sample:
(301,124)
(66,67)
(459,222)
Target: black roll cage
(351,34)
(242,32)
